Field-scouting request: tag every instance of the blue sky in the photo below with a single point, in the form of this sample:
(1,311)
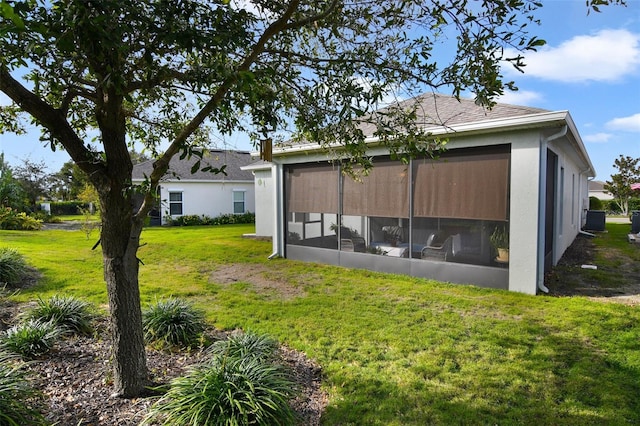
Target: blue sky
(590,67)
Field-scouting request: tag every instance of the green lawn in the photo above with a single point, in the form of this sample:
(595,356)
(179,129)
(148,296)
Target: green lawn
(395,350)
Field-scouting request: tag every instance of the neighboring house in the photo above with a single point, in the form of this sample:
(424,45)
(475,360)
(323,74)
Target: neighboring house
(596,189)
(184,193)
(512,173)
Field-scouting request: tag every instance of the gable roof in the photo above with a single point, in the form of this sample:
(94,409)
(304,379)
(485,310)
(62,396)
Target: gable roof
(436,110)
(181,169)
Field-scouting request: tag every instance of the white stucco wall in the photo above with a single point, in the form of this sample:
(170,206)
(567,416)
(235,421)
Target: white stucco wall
(524,224)
(207,198)
(573,197)
(264,202)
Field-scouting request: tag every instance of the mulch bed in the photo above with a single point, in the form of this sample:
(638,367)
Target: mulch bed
(76,386)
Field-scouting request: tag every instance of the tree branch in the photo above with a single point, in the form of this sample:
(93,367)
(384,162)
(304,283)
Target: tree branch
(52,119)
(161,165)
(313,18)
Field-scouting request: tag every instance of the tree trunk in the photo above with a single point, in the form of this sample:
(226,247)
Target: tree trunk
(120,239)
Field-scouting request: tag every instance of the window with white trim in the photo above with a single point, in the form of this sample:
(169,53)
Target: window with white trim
(238,201)
(175,203)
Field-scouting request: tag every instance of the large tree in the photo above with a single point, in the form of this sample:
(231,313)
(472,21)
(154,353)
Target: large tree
(620,184)
(35,181)
(11,194)
(165,72)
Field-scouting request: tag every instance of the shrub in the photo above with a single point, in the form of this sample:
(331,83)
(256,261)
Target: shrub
(173,322)
(68,207)
(16,394)
(224,219)
(45,217)
(246,345)
(595,203)
(18,221)
(30,339)
(13,267)
(235,387)
(66,312)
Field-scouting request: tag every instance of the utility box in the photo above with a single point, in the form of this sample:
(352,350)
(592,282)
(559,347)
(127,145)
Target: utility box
(635,221)
(595,220)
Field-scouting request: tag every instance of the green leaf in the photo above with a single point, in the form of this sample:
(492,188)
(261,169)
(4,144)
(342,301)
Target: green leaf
(195,167)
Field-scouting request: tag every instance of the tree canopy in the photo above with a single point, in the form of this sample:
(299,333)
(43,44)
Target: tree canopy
(620,184)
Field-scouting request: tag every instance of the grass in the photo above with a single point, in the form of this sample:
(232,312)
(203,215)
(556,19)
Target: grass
(395,350)
(78,217)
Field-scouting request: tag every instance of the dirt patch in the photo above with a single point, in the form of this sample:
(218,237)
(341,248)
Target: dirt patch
(257,276)
(569,278)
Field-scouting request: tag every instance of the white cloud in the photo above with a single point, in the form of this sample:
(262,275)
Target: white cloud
(598,137)
(607,55)
(521,97)
(627,124)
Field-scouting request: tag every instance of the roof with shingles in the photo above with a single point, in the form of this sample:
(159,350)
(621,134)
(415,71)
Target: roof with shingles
(596,185)
(441,110)
(181,169)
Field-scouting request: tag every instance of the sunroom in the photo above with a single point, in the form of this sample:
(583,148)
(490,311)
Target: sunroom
(435,212)
(497,209)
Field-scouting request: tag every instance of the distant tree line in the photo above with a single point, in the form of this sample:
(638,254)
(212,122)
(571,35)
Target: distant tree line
(25,186)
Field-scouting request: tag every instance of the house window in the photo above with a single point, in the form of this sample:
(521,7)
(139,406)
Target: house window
(238,201)
(175,203)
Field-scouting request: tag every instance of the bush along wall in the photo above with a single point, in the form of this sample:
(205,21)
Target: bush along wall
(68,207)
(225,219)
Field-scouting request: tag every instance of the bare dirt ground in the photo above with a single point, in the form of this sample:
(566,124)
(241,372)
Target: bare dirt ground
(569,278)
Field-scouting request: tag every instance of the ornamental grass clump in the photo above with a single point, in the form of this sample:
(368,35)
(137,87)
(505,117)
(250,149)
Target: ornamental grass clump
(245,345)
(236,386)
(69,313)
(16,394)
(173,322)
(30,339)
(13,267)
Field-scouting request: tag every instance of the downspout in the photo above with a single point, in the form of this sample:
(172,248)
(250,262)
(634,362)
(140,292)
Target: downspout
(542,208)
(277,206)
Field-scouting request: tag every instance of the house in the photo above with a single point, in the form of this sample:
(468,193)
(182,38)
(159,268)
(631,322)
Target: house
(184,193)
(596,189)
(513,174)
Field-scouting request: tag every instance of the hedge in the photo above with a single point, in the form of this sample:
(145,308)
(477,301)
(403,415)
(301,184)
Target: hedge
(225,219)
(68,207)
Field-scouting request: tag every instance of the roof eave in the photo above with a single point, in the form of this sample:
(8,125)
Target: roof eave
(523,122)
(530,121)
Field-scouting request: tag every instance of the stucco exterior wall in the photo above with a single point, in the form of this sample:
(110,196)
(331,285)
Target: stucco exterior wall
(572,202)
(206,198)
(264,197)
(525,225)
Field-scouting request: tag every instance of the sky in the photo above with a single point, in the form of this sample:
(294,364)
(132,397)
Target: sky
(590,66)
